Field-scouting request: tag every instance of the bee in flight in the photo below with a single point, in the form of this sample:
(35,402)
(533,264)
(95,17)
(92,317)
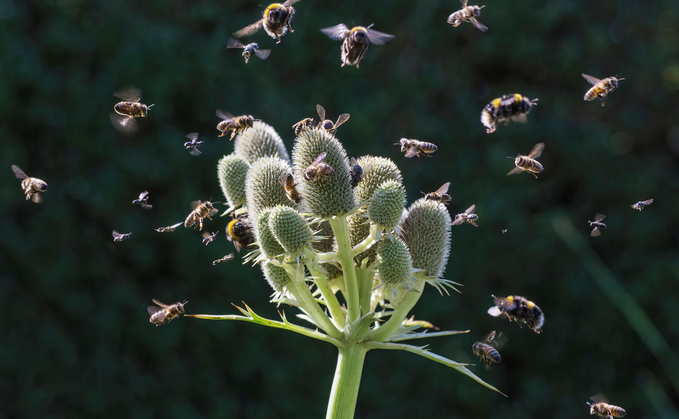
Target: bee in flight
(528,163)
(356,172)
(163,313)
(641,204)
(143,200)
(32,186)
(130,108)
(327,124)
(504,109)
(486,351)
(193,145)
(275,21)
(168,229)
(467,14)
(519,309)
(318,169)
(355,41)
(118,237)
(597,224)
(240,232)
(304,124)
(236,124)
(441,194)
(224,259)
(504,230)
(209,237)
(200,211)
(414,148)
(288,181)
(600,88)
(249,49)
(467,216)
(601,408)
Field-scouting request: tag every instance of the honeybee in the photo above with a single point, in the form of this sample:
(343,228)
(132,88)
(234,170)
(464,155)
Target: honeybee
(143,200)
(601,408)
(304,124)
(414,148)
(249,49)
(118,237)
(288,181)
(519,309)
(641,204)
(237,124)
(600,88)
(209,237)
(327,124)
(467,216)
(201,210)
(356,173)
(441,194)
(355,41)
(240,232)
(487,352)
(224,259)
(318,169)
(504,230)
(168,229)
(275,20)
(467,14)
(528,163)
(163,313)
(130,108)
(193,145)
(32,186)
(597,224)
(504,109)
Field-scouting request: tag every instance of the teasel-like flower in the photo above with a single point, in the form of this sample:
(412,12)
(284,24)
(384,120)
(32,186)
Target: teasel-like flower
(260,141)
(232,171)
(277,277)
(386,207)
(263,187)
(268,243)
(290,229)
(395,269)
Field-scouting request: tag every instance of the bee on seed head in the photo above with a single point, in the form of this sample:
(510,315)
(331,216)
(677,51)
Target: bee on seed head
(519,309)
(355,41)
(143,200)
(130,108)
(249,49)
(224,259)
(467,216)
(601,408)
(32,186)
(486,351)
(163,313)
(318,169)
(417,148)
(327,124)
(304,124)
(193,145)
(528,163)
(240,232)
(441,194)
(288,181)
(237,124)
(597,224)
(641,204)
(504,109)
(600,88)
(118,237)
(168,229)
(275,21)
(467,14)
(200,211)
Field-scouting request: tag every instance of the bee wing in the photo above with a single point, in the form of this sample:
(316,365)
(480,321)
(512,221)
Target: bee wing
(600,398)
(514,171)
(647,202)
(596,232)
(536,151)
(478,25)
(591,80)
(195,204)
(411,151)
(37,198)
(146,206)
(336,33)
(206,235)
(470,210)
(224,115)
(321,112)
(192,136)
(143,194)
(458,220)
(195,152)
(234,43)
(249,30)
(153,310)
(263,53)
(599,217)
(352,162)
(291,2)
(177,225)
(378,38)
(123,123)
(320,158)
(19,173)
(464,3)
(128,94)
(490,337)
(443,189)
(213,212)
(163,305)
(342,119)
(116,234)
(522,118)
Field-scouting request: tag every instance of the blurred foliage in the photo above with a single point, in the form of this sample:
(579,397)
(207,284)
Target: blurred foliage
(76,341)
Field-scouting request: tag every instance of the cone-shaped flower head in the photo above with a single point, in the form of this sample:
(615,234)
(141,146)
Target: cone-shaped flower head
(426,231)
(395,269)
(232,171)
(387,205)
(276,276)
(260,141)
(290,229)
(263,187)
(265,238)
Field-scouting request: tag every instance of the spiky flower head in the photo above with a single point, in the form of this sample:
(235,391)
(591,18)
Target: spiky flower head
(387,205)
(260,141)
(263,187)
(268,244)
(232,171)
(426,231)
(277,277)
(377,170)
(395,268)
(290,229)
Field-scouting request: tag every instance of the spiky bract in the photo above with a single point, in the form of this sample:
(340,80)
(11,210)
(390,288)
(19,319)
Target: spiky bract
(387,204)
(426,231)
(260,141)
(268,244)
(232,171)
(290,229)
(263,188)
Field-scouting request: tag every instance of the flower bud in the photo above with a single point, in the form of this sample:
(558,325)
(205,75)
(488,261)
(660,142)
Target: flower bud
(426,231)
(387,205)
(395,266)
(263,187)
(260,141)
(265,238)
(231,171)
(290,229)
(276,276)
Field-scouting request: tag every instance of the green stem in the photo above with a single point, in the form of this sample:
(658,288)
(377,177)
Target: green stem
(346,259)
(367,243)
(365,284)
(329,296)
(400,312)
(344,394)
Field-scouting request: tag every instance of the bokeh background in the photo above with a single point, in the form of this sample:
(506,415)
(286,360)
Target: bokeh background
(76,341)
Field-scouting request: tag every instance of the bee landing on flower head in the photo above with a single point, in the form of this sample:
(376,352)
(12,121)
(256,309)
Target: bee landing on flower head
(235,124)
(504,109)
(130,108)
(327,124)
(248,50)
(441,194)
(355,41)
(467,14)
(275,21)
(600,88)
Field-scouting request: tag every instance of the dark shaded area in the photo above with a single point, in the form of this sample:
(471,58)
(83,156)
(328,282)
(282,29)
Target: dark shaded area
(76,341)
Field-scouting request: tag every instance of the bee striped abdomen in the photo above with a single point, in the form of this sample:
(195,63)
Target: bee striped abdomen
(487,353)
(136,109)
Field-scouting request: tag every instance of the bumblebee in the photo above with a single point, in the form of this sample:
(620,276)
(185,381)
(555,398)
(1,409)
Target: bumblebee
(327,124)
(224,259)
(193,145)
(236,124)
(143,200)
(600,88)
(597,224)
(304,124)
(163,313)
(520,310)
(275,20)
(467,216)
(288,181)
(504,109)
(318,169)
(248,50)
(209,237)
(487,352)
(118,237)
(601,408)
(130,108)
(240,233)
(414,148)
(168,229)
(641,204)
(355,41)
(467,14)
(356,173)
(200,211)
(528,163)
(441,194)
(32,186)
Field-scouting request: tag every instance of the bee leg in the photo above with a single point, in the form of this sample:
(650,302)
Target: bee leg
(536,176)
(487,364)
(278,40)
(290,28)
(233,134)
(603,100)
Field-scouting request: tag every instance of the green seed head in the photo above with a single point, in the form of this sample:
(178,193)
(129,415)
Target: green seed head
(232,171)
(377,170)
(276,277)
(265,238)
(290,229)
(395,267)
(263,187)
(426,231)
(260,141)
(387,205)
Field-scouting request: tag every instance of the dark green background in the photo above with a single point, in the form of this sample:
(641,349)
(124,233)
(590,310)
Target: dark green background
(76,341)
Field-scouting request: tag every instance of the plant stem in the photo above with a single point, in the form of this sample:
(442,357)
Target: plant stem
(329,296)
(400,312)
(344,394)
(365,284)
(346,259)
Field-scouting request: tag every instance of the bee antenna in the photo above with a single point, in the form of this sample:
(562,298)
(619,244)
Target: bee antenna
(154,103)
(482,6)
(371,25)
(510,157)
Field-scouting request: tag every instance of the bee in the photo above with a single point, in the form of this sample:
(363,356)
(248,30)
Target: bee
(224,259)
(441,194)
(143,200)
(275,20)
(318,169)
(163,313)
(504,109)
(487,352)
(237,124)
(414,148)
(32,186)
(467,216)
(597,224)
(528,163)
(356,173)
(288,181)
(601,408)
(249,49)
(600,88)
(168,229)
(504,230)
(193,145)
(209,237)
(641,204)
(304,124)
(200,211)
(467,14)
(327,124)
(118,237)
(519,309)
(130,108)
(240,232)
(355,41)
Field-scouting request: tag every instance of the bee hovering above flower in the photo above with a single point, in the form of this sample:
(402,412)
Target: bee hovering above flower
(235,124)
(143,200)
(355,41)
(327,124)
(467,14)
(193,145)
(249,49)
(275,21)
(126,111)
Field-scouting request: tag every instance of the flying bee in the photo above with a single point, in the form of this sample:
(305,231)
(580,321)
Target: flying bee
(486,351)
(355,41)
(200,211)
(327,124)
(304,124)
(224,259)
(237,124)
(601,408)
(318,169)
(32,186)
(441,194)
(414,148)
(118,237)
(356,173)
(504,230)
(504,109)
(288,181)
(209,237)
(240,232)
(275,20)
(130,108)
(168,229)
(193,145)
(143,200)
(600,88)
(467,14)
(597,224)
(641,204)
(519,309)
(249,49)
(528,163)
(163,313)
(467,216)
